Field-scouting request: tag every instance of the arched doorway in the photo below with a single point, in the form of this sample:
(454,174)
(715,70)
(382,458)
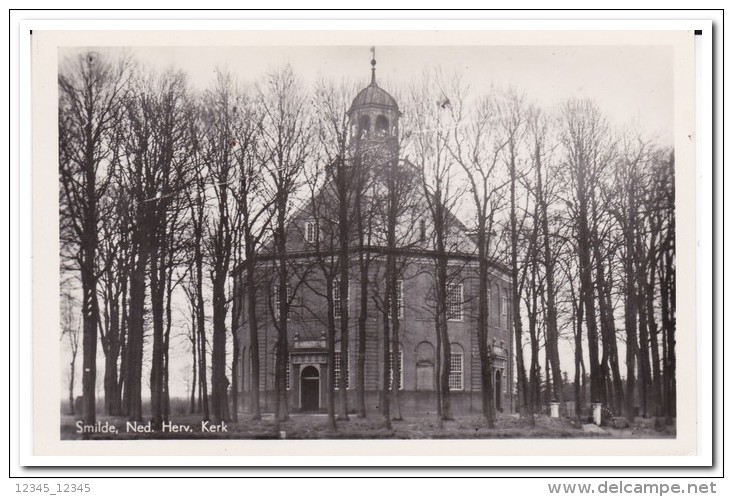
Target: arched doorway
(310,386)
(498,392)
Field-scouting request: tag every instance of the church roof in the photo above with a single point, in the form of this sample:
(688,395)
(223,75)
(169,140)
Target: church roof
(373,96)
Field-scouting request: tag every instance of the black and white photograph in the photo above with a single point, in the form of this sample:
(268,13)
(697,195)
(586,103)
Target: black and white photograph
(370,239)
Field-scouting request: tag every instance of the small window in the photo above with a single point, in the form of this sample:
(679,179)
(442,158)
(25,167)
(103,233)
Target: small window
(337,298)
(455,377)
(423,230)
(337,370)
(400,371)
(310,232)
(455,302)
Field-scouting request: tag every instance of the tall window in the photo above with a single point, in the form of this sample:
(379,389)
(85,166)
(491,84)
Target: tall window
(505,310)
(288,295)
(287,369)
(455,377)
(400,300)
(337,370)
(400,371)
(423,230)
(337,298)
(243,373)
(287,374)
(455,302)
(310,232)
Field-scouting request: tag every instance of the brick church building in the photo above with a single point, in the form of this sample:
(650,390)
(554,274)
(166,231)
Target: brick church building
(374,119)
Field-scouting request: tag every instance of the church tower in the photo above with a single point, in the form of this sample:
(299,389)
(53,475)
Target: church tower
(374,118)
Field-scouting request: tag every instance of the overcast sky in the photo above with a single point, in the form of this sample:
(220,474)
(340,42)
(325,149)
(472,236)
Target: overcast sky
(629,83)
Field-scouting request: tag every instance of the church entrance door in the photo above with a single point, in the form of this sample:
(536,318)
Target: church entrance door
(310,386)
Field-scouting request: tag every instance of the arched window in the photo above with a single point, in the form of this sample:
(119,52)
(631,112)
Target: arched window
(381,125)
(363,125)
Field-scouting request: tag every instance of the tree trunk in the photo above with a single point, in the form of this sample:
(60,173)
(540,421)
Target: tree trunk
(254,341)
(72,378)
(281,401)
(90,309)
(136,327)
(166,338)
(487,384)
(387,369)
(331,351)
(578,329)
(236,350)
(219,381)
(552,332)
(157,297)
(200,324)
(643,350)
(361,330)
(111,393)
(194,361)
(630,310)
(598,387)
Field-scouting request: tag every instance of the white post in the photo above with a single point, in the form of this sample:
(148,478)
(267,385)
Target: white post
(554,409)
(597,413)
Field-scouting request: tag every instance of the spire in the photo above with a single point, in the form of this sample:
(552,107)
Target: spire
(374,65)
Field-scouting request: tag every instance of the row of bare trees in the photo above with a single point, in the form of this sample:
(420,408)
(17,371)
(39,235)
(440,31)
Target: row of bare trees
(160,189)
(164,190)
(585,216)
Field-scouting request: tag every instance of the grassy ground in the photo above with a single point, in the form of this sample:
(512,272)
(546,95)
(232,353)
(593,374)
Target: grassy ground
(314,426)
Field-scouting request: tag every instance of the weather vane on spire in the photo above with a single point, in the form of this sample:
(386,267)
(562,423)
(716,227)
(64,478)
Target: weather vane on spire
(374,64)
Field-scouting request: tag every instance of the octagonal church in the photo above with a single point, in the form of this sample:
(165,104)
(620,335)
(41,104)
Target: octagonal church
(374,119)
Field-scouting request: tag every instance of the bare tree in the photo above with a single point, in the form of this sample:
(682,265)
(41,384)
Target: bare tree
(323,244)
(342,184)
(585,139)
(154,175)
(114,260)
(221,109)
(70,331)
(195,292)
(285,148)
(394,190)
(540,150)
(91,92)
(250,221)
(441,190)
(476,147)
